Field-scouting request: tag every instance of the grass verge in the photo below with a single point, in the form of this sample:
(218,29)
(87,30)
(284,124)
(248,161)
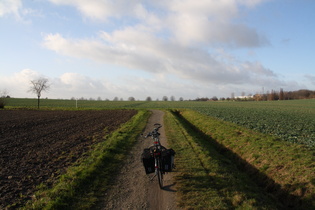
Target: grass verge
(284,170)
(84,182)
(207,179)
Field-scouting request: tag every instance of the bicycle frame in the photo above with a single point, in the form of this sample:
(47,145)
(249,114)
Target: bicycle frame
(156,150)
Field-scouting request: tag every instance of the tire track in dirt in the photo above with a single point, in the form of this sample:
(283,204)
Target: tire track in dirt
(132,188)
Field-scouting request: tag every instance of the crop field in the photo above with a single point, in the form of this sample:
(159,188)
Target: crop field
(292,121)
(37,146)
(250,155)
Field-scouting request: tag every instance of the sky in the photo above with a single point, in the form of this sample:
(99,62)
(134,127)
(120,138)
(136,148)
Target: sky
(139,48)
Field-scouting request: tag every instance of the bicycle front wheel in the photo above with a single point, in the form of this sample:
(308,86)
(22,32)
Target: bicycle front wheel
(160,174)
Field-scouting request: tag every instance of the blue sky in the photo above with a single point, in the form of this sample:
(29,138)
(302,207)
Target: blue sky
(181,48)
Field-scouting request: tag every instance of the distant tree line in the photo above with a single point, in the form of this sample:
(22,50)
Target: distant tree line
(269,96)
(214,98)
(285,95)
(131,98)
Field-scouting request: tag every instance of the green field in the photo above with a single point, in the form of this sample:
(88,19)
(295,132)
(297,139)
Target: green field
(230,155)
(292,121)
(222,165)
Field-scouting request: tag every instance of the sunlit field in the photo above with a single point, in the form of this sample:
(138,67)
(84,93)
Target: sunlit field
(291,120)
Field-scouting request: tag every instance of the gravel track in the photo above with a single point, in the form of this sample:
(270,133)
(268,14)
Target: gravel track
(132,188)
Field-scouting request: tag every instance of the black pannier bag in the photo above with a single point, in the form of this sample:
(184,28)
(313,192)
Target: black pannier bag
(168,160)
(148,161)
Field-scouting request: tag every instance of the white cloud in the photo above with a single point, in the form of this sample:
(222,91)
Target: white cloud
(170,39)
(77,85)
(16,9)
(65,86)
(10,7)
(180,44)
(138,49)
(100,9)
(209,22)
(310,78)
(18,83)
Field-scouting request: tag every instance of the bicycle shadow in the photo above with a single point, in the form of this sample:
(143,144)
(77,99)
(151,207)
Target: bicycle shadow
(169,187)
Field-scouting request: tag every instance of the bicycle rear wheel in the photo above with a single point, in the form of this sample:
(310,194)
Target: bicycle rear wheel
(160,174)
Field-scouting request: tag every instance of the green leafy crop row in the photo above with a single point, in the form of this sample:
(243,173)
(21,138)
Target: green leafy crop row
(291,122)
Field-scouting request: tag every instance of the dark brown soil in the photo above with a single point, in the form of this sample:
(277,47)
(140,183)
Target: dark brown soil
(37,146)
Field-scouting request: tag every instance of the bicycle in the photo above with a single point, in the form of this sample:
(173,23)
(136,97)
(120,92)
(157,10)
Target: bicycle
(156,150)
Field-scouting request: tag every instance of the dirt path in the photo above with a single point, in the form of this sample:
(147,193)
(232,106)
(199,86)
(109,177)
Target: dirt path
(132,188)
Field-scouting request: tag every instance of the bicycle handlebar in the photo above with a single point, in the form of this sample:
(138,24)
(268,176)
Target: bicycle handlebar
(155,132)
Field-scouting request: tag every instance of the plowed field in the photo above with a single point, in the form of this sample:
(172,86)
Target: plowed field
(37,146)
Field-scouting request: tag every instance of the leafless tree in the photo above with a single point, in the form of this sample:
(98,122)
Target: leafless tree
(39,85)
(3,97)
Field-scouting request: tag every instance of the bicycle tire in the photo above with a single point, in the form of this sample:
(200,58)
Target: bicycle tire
(160,174)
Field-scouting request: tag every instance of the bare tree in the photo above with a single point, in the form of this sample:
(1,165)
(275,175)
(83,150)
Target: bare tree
(3,97)
(148,98)
(39,85)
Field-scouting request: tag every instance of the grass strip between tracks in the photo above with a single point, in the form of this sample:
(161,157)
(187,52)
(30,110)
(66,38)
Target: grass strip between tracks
(84,182)
(222,166)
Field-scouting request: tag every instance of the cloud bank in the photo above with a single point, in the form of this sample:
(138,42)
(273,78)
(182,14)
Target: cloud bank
(182,44)
(170,37)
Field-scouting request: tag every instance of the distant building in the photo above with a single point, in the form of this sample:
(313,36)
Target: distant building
(244,97)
